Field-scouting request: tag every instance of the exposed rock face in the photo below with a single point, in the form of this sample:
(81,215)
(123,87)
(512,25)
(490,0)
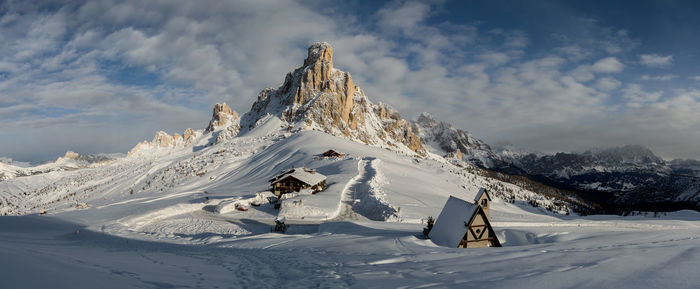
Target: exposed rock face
(71,155)
(164,140)
(398,128)
(226,120)
(189,136)
(224,123)
(222,116)
(318,96)
(83,160)
(452,142)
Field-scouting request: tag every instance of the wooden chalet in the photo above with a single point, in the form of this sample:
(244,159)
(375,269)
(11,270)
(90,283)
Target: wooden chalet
(297,179)
(465,225)
(333,154)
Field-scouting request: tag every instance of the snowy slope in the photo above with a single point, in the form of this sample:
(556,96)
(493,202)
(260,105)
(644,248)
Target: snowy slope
(42,252)
(175,238)
(71,161)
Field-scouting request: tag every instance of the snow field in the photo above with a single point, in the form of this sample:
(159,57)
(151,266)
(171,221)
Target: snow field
(168,219)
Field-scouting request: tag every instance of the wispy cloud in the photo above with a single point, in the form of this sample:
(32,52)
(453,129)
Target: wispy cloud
(665,77)
(608,65)
(608,83)
(637,96)
(656,60)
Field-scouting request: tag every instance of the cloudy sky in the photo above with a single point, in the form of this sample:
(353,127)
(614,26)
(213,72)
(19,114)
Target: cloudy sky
(99,76)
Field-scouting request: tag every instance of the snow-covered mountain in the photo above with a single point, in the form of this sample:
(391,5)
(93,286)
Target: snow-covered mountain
(318,96)
(70,161)
(317,108)
(626,159)
(444,139)
(631,174)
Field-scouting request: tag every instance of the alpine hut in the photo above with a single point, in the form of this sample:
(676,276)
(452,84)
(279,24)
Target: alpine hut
(333,154)
(297,179)
(465,225)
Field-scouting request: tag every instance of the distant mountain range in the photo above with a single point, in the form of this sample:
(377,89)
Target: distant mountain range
(626,177)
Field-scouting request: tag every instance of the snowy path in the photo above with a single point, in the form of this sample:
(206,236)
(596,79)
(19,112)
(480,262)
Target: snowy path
(362,197)
(348,197)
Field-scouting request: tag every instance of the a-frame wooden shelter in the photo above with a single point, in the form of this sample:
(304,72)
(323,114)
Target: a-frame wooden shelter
(465,225)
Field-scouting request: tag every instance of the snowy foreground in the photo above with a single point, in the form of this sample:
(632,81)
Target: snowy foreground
(167,218)
(40,252)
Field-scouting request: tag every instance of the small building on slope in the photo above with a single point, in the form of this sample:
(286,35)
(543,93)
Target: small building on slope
(333,154)
(465,225)
(297,179)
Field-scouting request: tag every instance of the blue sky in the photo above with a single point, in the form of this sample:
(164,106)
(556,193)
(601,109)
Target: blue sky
(99,76)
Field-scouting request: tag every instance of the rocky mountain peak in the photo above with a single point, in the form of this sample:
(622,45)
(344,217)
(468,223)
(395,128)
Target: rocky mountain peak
(221,116)
(320,52)
(71,155)
(446,140)
(427,120)
(628,154)
(318,96)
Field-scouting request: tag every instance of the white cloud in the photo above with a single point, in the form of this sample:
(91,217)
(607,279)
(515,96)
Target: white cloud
(608,83)
(405,18)
(494,58)
(587,38)
(608,65)
(665,77)
(636,96)
(574,52)
(583,73)
(656,60)
(586,72)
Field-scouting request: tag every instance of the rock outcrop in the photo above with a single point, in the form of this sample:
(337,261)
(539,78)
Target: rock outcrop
(224,123)
(188,136)
(455,143)
(83,160)
(222,116)
(319,96)
(163,140)
(71,155)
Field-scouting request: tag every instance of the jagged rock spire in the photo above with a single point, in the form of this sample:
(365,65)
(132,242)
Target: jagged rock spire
(221,116)
(319,96)
(320,52)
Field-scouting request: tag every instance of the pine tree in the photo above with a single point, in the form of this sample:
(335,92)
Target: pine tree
(429,226)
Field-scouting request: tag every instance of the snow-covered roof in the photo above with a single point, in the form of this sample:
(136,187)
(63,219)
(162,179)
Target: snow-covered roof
(311,177)
(481,192)
(449,228)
